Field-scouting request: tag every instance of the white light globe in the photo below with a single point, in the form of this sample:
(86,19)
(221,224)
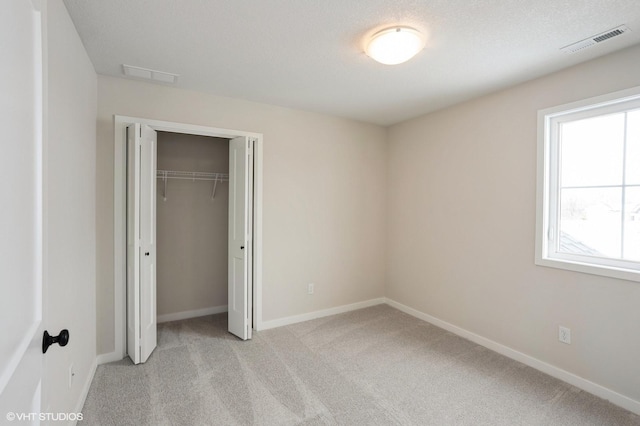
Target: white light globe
(395,45)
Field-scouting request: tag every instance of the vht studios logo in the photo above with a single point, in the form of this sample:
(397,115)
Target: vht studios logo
(52,417)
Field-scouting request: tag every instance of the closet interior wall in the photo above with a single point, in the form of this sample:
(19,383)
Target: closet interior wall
(192,227)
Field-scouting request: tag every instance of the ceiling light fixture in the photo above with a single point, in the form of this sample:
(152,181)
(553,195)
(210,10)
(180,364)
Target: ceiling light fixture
(395,45)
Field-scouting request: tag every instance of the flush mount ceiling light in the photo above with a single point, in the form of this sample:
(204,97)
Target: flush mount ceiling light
(395,45)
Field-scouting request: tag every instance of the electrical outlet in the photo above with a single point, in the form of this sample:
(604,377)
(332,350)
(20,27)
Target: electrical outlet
(71,375)
(311,288)
(564,334)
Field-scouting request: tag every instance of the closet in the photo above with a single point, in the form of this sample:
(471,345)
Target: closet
(189,231)
(192,216)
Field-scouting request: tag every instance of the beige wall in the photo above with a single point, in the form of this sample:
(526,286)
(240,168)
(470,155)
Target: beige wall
(191,227)
(324,196)
(462,199)
(70,209)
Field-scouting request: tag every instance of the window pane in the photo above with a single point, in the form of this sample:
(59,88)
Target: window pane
(590,221)
(592,151)
(632,224)
(633,148)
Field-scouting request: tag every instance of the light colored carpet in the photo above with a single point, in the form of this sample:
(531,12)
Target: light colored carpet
(375,366)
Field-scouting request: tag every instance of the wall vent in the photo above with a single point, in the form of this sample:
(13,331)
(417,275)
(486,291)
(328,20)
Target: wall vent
(598,38)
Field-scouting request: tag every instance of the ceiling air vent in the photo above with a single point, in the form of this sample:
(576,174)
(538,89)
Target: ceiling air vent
(148,74)
(598,38)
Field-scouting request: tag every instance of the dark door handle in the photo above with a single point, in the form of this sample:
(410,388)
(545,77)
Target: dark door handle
(146,253)
(241,247)
(47,340)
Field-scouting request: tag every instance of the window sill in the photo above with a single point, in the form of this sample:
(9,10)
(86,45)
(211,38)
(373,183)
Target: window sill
(587,268)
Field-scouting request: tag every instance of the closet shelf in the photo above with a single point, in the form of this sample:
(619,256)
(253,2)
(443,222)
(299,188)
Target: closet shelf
(165,175)
(174,174)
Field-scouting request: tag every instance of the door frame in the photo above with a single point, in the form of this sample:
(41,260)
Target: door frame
(120,215)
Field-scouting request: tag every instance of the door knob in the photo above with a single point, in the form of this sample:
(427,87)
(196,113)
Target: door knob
(47,340)
(146,253)
(241,247)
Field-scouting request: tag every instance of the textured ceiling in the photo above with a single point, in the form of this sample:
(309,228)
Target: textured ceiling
(308,54)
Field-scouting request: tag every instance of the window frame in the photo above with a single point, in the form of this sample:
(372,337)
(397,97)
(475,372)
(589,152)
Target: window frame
(547,197)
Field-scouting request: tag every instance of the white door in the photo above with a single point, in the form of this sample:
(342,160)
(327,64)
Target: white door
(141,242)
(240,236)
(21,215)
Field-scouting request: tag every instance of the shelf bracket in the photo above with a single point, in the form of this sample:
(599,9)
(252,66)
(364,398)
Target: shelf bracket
(215,184)
(164,191)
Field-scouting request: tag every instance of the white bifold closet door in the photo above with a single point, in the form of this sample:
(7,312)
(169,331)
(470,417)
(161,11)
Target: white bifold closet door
(141,242)
(240,236)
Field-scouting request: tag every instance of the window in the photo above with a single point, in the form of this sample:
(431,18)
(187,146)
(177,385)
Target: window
(589,186)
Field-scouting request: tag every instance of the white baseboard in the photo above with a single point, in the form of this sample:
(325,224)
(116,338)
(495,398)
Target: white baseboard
(319,314)
(577,381)
(85,389)
(108,357)
(192,314)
